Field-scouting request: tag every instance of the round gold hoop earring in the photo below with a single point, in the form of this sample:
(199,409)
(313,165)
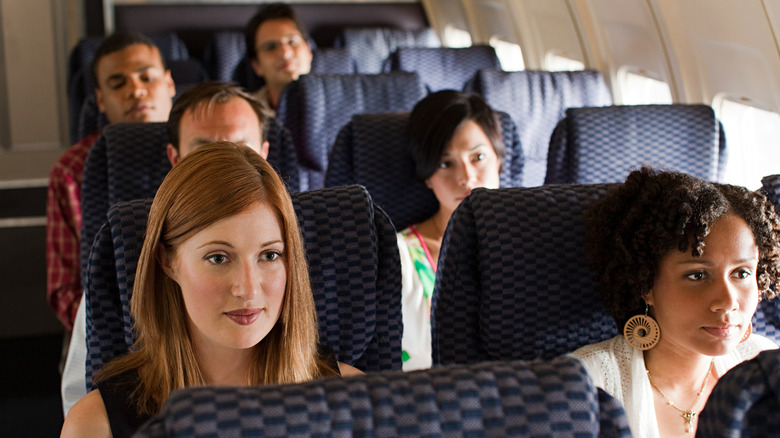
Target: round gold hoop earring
(747,333)
(642,331)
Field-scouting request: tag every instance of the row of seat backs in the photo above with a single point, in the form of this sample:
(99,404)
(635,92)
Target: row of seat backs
(511,259)
(502,399)
(129,161)
(353,260)
(373,150)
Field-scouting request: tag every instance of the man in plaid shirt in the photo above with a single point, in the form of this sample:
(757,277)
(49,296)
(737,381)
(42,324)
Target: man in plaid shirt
(133,85)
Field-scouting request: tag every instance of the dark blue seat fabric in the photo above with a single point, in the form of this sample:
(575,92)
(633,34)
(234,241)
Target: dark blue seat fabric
(443,68)
(537,100)
(315,107)
(373,150)
(602,145)
(513,282)
(766,320)
(352,252)
(746,400)
(501,399)
(222,53)
(90,119)
(129,162)
(370,46)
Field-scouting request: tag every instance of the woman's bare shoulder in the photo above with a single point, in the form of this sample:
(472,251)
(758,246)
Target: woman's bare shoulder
(88,417)
(349,370)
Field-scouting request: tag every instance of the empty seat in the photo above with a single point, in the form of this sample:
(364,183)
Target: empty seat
(222,53)
(537,100)
(352,252)
(443,68)
(373,150)
(129,162)
(504,399)
(746,400)
(370,46)
(513,282)
(602,145)
(315,107)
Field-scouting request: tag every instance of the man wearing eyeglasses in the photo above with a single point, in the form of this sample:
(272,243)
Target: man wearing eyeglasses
(277,45)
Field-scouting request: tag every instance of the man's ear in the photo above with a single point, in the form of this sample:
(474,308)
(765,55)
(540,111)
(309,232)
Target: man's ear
(99,100)
(256,67)
(166,263)
(264,149)
(173,154)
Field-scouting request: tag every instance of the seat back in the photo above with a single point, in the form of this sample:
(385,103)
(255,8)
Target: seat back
(335,61)
(373,150)
(506,399)
(513,282)
(537,100)
(222,53)
(315,107)
(603,145)
(370,46)
(443,68)
(766,320)
(746,400)
(129,161)
(353,259)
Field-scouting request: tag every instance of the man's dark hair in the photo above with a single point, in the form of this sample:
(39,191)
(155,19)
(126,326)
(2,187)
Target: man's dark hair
(208,94)
(273,11)
(119,41)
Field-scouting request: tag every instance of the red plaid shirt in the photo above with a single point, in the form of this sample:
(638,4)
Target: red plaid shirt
(63,229)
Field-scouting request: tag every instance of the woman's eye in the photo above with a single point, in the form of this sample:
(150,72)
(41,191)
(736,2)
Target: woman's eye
(479,157)
(444,165)
(217,259)
(743,273)
(696,276)
(270,256)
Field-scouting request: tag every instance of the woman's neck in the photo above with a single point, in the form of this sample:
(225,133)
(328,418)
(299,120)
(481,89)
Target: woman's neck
(432,230)
(677,367)
(224,367)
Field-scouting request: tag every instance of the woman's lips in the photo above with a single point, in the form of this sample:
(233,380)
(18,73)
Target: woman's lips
(244,316)
(723,331)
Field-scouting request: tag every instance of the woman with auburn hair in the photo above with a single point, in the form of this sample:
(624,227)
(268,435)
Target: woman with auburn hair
(221,296)
(681,264)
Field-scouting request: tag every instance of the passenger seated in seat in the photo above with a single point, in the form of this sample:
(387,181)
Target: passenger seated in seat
(456,146)
(278,47)
(221,295)
(215,111)
(681,264)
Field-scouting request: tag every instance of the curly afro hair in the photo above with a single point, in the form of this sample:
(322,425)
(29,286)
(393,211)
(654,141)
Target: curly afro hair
(654,212)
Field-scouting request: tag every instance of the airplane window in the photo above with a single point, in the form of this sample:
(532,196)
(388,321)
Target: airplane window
(751,135)
(640,87)
(454,37)
(560,61)
(510,54)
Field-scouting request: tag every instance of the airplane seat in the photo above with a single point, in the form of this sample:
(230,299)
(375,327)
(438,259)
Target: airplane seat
(222,53)
(512,399)
(537,100)
(603,145)
(354,266)
(766,320)
(90,119)
(373,150)
(333,61)
(513,282)
(443,68)
(370,46)
(187,73)
(745,401)
(315,107)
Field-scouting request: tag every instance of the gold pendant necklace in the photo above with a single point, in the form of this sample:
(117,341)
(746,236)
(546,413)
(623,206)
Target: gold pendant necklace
(688,416)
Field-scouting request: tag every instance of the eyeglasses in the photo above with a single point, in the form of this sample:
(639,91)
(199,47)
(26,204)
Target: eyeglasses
(293,41)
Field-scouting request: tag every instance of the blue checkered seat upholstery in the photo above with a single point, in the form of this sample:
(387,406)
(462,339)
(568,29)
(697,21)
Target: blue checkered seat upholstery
(370,46)
(443,68)
(602,145)
(537,100)
(352,252)
(373,150)
(513,282)
(766,320)
(129,162)
(746,400)
(222,53)
(315,107)
(90,119)
(500,399)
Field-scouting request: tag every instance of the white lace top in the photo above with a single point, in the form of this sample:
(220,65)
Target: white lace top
(620,370)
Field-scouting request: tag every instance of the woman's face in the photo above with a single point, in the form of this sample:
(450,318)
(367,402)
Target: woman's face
(704,304)
(468,162)
(232,276)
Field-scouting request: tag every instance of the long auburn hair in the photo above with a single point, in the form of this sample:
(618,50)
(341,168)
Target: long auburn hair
(212,183)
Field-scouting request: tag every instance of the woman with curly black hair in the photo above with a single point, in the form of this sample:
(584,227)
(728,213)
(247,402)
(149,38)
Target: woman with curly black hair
(681,265)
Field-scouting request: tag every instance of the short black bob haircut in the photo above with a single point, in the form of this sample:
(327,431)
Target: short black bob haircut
(435,119)
(654,212)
